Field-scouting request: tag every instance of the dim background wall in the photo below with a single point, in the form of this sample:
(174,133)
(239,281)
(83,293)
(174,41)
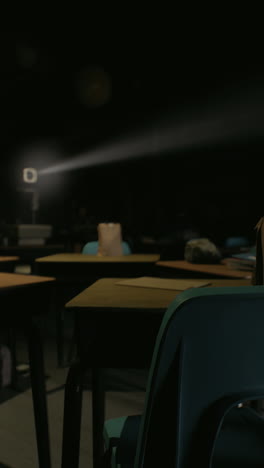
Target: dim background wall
(218,194)
(216,188)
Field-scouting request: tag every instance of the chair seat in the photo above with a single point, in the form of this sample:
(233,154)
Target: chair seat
(240,442)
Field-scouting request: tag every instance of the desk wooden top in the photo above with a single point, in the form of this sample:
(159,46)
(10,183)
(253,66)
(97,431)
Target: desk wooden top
(46,247)
(106,294)
(83,258)
(13,280)
(8,259)
(219,269)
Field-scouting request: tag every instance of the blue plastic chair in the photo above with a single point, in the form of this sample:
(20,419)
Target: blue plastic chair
(91,248)
(208,358)
(239,241)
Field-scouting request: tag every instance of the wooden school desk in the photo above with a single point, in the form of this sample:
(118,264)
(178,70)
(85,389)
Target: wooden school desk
(75,272)
(7,263)
(117,326)
(21,298)
(220,270)
(28,253)
(78,266)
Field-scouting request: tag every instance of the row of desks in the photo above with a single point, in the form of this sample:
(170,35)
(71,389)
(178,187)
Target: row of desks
(116,326)
(79,266)
(105,312)
(72,265)
(75,272)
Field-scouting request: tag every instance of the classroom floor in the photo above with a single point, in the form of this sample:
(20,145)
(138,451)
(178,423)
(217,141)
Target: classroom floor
(125,395)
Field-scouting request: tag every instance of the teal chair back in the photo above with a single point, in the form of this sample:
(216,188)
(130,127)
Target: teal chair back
(91,248)
(208,357)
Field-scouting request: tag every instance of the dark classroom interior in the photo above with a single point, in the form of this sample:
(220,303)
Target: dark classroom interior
(73,92)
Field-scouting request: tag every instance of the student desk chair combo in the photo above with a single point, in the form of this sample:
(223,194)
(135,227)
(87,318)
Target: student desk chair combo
(117,326)
(207,361)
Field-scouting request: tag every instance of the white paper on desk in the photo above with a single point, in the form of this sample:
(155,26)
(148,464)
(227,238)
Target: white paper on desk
(164,283)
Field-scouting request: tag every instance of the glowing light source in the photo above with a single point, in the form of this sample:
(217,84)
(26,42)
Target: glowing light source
(30,175)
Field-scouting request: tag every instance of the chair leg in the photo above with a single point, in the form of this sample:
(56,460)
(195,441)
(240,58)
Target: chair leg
(72,417)
(72,352)
(60,336)
(36,360)
(98,415)
(106,459)
(13,349)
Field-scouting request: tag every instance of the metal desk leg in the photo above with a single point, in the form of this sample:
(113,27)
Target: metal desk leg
(98,408)
(72,353)
(13,349)
(36,361)
(60,336)
(72,417)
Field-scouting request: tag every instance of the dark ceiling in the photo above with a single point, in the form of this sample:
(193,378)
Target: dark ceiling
(147,74)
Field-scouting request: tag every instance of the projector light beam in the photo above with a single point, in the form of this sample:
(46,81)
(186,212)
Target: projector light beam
(241,119)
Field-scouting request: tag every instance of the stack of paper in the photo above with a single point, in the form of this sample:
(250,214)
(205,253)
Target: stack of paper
(242,261)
